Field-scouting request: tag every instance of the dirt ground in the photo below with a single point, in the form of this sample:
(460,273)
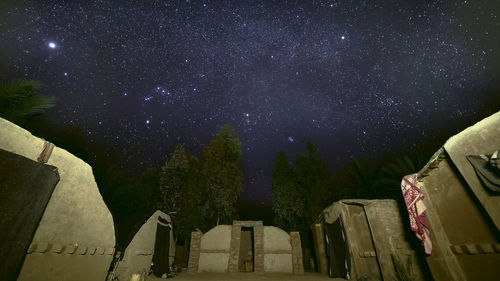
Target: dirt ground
(308,276)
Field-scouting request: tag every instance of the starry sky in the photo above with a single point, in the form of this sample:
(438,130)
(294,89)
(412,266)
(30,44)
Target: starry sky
(355,77)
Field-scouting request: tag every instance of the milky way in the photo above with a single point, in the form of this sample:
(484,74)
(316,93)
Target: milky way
(355,77)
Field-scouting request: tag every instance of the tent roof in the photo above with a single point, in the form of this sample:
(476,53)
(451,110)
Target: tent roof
(332,212)
(481,138)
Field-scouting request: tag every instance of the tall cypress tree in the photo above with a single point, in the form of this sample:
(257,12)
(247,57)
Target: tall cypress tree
(173,176)
(288,202)
(192,205)
(222,173)
(315,181)
(183,190)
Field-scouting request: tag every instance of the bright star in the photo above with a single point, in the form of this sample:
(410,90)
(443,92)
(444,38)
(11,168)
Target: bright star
(65,74)
(343,37)
(52,45)
(147,121)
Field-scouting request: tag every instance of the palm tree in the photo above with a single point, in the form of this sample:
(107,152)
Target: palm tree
(19,100)
(393,173)
(362,178)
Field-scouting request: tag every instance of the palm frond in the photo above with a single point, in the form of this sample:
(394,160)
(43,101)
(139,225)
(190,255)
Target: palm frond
(19,99)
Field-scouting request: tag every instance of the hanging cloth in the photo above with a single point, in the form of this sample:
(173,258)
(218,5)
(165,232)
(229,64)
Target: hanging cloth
(416,210)
(162,245)
(26,187)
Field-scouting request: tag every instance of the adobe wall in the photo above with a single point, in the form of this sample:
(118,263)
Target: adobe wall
(258,230)
(277,250)
(374,230)
(464,217)
(319,247)
(389,237)
(214,249)
(297,260)
(218,250)
(481,138)
(465,246)
(76,231)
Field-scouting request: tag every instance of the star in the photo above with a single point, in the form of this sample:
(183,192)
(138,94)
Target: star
(194,67)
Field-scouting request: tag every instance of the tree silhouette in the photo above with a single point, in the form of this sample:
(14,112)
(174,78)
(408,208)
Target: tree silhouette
(222,173)
(314,179)
(19,100)
(288,201)
(392,173)
(173,177)
(183,190)
(362,178)
(192,208)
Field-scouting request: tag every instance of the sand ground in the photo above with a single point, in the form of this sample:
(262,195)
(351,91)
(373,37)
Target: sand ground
(308,276)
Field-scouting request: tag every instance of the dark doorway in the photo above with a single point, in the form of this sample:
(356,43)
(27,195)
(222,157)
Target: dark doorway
(336,249)
(246,258)
(161,255)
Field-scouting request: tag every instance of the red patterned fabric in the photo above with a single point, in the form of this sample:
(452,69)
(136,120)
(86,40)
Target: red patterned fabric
(416,210)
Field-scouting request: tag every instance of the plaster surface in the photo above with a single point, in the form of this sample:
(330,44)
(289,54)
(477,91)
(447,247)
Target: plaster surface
(374,230)
(76,212)
(456,220)
(217,238)
(278,263)
(481,138)
(276,239)
(75,237)
(213,262)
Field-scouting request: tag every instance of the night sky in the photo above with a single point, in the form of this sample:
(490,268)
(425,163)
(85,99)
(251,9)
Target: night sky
(355,77)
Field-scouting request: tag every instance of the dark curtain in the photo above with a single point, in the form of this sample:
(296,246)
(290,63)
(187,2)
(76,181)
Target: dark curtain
(162,246)
(25,189)
(336,249)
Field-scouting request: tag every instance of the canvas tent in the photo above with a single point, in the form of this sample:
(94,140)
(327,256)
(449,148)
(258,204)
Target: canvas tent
(464,216)
(246,246)
(153,242)
(356,238)
(53,215)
